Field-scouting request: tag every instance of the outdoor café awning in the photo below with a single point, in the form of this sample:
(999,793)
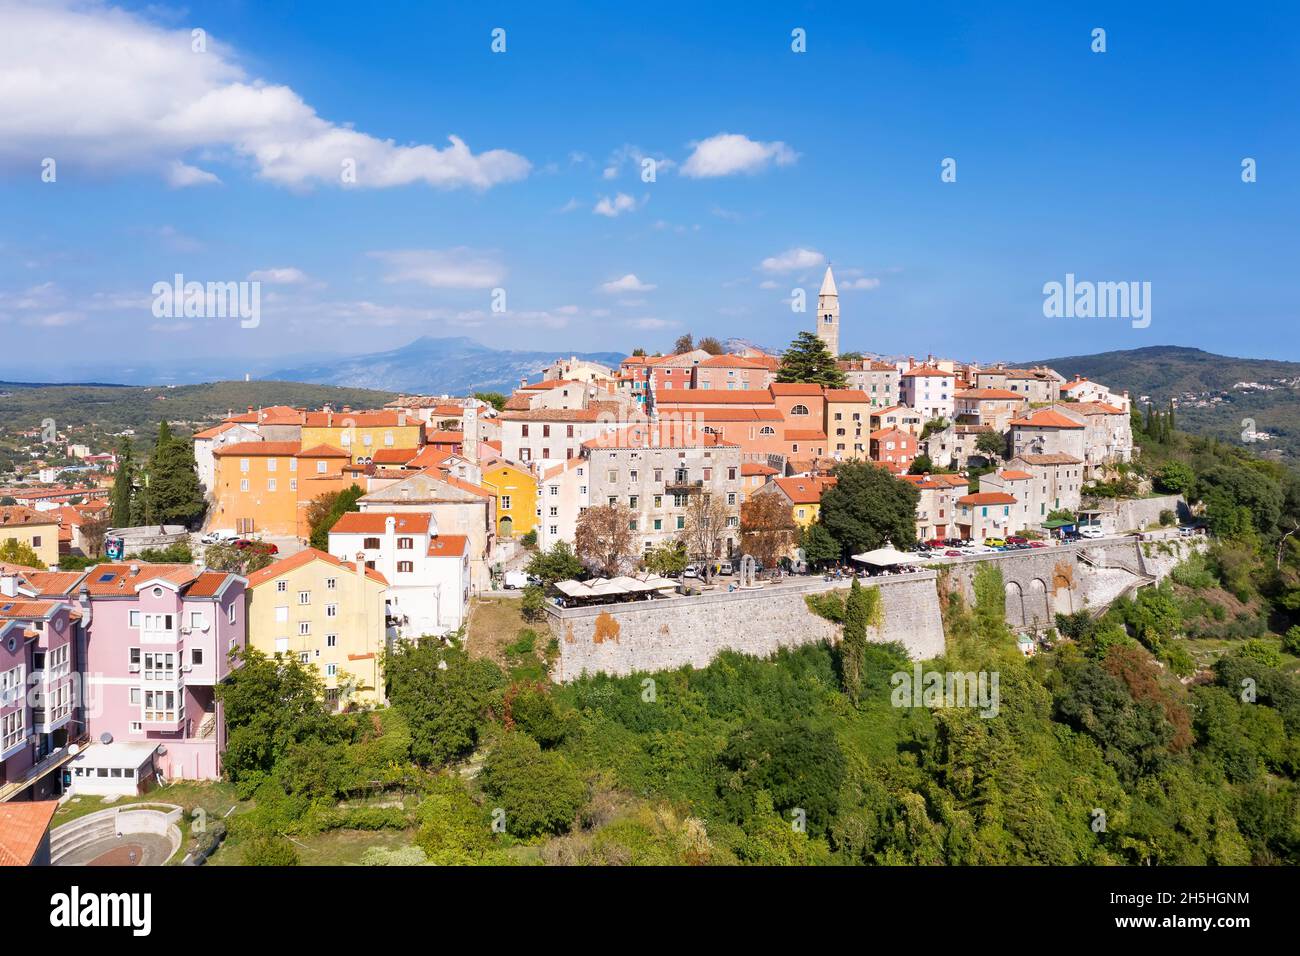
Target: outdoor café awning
(612,587)
(886,557)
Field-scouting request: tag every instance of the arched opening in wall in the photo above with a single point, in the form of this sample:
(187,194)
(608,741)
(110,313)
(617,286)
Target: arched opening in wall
(1063,587)
(1038,609)
(507,527)
(1015,604)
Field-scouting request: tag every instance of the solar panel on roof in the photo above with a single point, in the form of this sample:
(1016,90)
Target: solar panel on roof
(105,578)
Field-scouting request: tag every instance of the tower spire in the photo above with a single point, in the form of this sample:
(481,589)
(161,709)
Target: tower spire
(828,313)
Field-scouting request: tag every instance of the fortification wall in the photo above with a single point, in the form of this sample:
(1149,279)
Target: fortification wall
(660,635)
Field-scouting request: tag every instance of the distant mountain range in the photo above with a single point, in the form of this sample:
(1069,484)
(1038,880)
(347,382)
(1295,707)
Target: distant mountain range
(1215,394)
(453,366)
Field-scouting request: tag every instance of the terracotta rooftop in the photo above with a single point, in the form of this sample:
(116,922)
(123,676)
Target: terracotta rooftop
(23,825)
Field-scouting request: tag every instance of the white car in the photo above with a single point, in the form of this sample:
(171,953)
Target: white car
(1091,531)
(517,580)
(219,536)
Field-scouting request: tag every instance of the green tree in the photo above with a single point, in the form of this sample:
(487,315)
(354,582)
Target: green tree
(808,361)
(868,506)
(685,343)
(123,487)
(446,706)
(539,790)
(853,643)
(13,551)
(711,345)
(175,494)
(495,399)
(326,510)
(990,443)
(557,564)
(271,704)
(799,766)
(1176,478)
(667,559)
(921,465)
(818,545)
(532,603)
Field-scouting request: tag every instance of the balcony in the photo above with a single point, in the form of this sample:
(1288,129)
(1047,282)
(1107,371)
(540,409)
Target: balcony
(683,486)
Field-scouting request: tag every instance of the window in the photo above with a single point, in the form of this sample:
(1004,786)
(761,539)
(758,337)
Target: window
(270,484)
(11,729)
(196,656)
(304,628)
(243,465)
(555,489)
(304,597)
(767,430)
(133,618)
(633,501)
(554,530)
(799,410)
(135,697)
(659,501)
(370,544)
(243,484)
(525,431)
(331,640)
(405,567)
(681,522)
(331,670)
(136,727)
(405,544)
(505,502)
(271,464)
(331,610)
(320,467)
(281,586)
(196,620)
(230,613)
(282,614)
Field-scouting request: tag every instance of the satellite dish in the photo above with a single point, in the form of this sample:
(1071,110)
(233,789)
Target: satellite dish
(106,738)
(161,751)
(74,749)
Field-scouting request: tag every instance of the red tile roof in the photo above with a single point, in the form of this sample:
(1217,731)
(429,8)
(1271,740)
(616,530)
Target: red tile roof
(305,557)
(447,545)
(13,515)
(988,498)
(795,388)
(375,522)
(804,491)
(23,825)
(1047,419)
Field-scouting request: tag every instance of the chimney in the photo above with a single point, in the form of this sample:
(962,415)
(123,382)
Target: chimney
(523,382)
(361,569)
(401,418)
(390,546)
(250,409)
(9,584)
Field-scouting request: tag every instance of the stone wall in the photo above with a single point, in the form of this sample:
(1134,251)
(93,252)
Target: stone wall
(660,635)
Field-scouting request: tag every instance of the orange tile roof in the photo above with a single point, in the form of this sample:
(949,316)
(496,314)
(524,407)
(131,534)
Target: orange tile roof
(446,545)
(795,388)
(322,451)
(23,825)
(304,557)
(988,498)
(1047,419)
(750,468)
(394,456)
(713,396)
(214,431)
(259,449)
(13,515)
(847,395)
(375,522)
(1015,474)
(445,438)
(732,361)
(469,486)
(804,434)
(429,457)
(108,579)
(804,491)
(926,370)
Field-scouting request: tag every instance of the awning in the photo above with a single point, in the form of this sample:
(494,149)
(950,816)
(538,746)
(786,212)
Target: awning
(886,557)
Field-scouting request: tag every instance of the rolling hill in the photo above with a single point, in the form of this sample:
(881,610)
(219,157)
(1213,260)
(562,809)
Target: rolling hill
(1213,394)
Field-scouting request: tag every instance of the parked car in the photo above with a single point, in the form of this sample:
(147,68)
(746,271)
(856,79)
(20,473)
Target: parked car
(518,580)
(1038,544)
(952,553)
(1091,531)
(995,542)
(1016,539)
(726,568)
(219,536)
(692,571)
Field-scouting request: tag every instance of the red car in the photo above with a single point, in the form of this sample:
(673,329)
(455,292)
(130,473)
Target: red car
(1038,544)
(1017,539)
(936,543)
(952,554)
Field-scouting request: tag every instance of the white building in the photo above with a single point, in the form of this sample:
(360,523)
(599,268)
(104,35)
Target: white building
(930,390)
(428,573)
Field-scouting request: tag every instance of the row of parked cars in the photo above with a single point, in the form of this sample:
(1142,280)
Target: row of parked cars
(242,543)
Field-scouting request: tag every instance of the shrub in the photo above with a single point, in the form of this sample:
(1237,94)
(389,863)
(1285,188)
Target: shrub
(265,849)
(540,791)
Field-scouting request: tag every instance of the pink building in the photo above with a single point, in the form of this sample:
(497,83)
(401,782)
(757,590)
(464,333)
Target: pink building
(158,641)
(38,687)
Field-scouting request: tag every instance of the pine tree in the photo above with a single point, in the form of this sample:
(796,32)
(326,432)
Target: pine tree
(174,493)
(808,361)
(853,644)
(1171,418)
(120,497)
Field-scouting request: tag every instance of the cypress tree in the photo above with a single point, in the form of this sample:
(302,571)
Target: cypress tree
(120,497)
(853,644)
(174,493)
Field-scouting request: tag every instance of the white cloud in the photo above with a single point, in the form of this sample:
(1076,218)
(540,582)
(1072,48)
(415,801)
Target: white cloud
(458,268)
(860,284)
(89,84)
(730,153)
(652,324)
(614,207)
(627,283)
(284,276)
(793,260)
(180,175)
(634,155)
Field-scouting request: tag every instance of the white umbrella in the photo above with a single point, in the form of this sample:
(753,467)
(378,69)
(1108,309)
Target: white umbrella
(886,557)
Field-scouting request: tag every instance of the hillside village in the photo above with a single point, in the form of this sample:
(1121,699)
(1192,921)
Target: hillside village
(450,492)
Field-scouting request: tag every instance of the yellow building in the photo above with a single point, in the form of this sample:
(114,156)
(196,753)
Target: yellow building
(803,493)
(361,434)
(848,423)
(516,493)
(328,613)
(264,487)
(38,530)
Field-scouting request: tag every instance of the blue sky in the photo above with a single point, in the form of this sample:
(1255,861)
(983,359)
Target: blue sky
(1115,166)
